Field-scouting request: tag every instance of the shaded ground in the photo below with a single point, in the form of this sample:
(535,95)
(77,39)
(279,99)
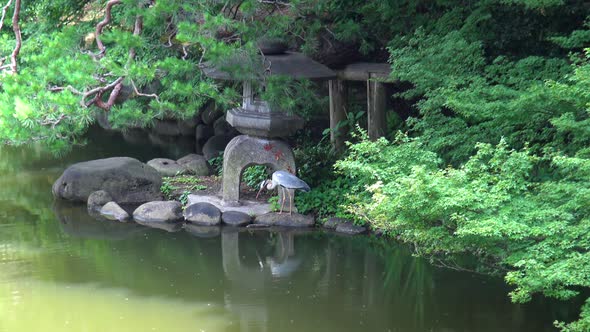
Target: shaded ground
(207,185)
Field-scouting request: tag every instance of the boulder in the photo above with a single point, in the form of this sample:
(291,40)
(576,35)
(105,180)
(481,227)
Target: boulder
(222,127)
(187,126)
(166,167)
(135,136)
(161,140)
(102,118)
(333,222)
(215,146)
(350,228)
(203,231)
(195,164)
(159,211)
(285,220)
(236,218)
(166,128)
(127,180)
(210,114)
(112,211)
(204,214)
(97,199)
(203,133)
(186,130)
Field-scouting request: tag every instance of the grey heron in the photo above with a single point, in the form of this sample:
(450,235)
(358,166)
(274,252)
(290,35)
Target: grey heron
(285,181)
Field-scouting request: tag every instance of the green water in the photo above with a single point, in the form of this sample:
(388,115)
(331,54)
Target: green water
(60,270)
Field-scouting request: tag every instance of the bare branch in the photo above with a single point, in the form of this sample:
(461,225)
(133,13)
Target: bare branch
(69,88)
(17,33)
(103,23)
(13,66)
(137,29)
(98,92)
(53,122)
(4,10)
(141,94)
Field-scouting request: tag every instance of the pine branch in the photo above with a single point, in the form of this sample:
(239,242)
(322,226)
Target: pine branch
(100,26)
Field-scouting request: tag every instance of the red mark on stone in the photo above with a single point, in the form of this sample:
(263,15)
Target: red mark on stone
(268,147)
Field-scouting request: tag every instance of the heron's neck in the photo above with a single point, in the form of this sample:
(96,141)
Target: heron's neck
(271,185)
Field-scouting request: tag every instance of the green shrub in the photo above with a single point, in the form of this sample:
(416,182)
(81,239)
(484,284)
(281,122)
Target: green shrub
(493,206)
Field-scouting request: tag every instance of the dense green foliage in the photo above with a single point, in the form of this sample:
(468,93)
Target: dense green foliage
(494,158)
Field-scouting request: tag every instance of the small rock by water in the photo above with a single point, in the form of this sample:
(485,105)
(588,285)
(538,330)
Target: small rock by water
(98,199)
(113,211)
(285,220)
(236,218)
(158,211)
(204,214)
(350,228)
(166,167)
(333,222)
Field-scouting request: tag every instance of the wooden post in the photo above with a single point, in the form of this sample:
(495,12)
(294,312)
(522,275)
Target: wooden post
(376,104)
(338,96)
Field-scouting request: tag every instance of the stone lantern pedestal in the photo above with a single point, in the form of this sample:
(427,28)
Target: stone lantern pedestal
(259,145)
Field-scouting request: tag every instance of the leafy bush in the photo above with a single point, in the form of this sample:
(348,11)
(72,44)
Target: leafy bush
(254,175)
(493,206)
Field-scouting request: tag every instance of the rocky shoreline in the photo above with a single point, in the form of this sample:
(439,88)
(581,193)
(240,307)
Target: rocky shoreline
(111,186)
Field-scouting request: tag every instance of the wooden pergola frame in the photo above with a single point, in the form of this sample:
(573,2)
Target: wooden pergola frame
(376,75)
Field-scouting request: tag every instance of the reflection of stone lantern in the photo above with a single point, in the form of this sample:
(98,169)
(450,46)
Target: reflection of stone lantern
(261,126)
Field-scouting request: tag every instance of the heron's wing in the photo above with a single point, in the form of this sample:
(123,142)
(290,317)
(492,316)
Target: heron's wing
(289,181)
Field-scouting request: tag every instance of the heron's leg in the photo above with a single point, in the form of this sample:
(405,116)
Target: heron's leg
(283,201)
(290,202)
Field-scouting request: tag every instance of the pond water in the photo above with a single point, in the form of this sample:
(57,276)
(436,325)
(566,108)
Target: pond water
(61,270)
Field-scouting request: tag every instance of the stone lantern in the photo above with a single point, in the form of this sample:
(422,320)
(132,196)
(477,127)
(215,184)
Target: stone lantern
(262,127)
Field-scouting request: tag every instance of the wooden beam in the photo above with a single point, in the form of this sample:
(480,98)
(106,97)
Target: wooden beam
(376,107)
(362,71)
(338,96)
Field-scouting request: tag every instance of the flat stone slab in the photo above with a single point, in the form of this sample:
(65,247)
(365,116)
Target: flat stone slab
(166,167)
(252,208)
(350,229)
(285,220)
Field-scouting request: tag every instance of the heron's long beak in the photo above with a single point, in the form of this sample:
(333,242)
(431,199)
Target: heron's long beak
(259,191)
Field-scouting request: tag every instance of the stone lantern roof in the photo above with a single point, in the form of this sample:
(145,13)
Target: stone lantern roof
(291,64)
